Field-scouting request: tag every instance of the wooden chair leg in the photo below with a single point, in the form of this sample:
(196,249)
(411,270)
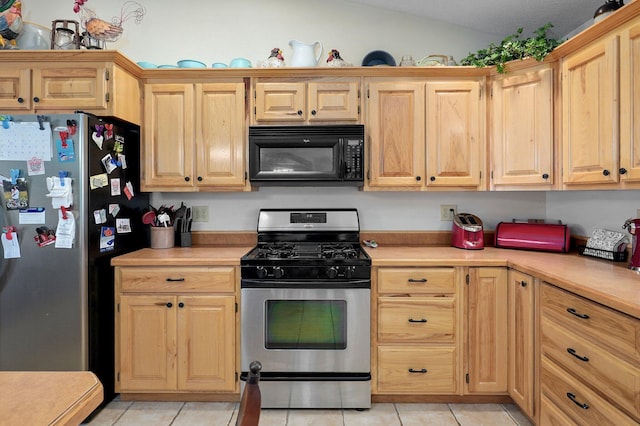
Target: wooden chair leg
(249,411)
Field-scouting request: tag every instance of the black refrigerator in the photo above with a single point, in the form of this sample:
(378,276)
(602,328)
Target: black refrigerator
(57,286)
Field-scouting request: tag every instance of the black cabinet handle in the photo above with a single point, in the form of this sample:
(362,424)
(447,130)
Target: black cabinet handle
(420,320)
(432,178)
(606,172)
(187,178)
(573,352)
(36,99)
(545,176)
(417,280)
(574,312)
(421,371)
(20,100)
(180,305)
(623,171)
(172,280)
(299,112)
(313,112)
(199,178)
(169,304)
(418,178)
(523,283)
(582,405)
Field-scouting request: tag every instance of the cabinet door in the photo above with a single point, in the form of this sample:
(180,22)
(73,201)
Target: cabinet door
(71,87)
(487,330)
(521,338)
(396,134)
(221,135)
(522,129)
(333,101)
(206,343)
(147,343)
(630,105)
(280,101)
(15,88)
(168,136)
(590,114)
(455,148)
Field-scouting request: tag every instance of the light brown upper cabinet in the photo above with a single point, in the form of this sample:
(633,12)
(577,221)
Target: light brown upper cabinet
(194,136)
(630,103)
(600,98)
(425,135)
(98,87)
(521,132)
(395,129)
(304,101)
(455,129)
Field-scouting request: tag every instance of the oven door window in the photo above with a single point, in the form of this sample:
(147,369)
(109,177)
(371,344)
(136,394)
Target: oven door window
(306,324)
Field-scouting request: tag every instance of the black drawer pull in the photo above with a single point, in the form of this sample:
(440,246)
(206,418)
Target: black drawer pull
(420,280)
(523,283)
(174,280)
(574,312)
(572,397)
(420,320)
(581,358)
(421,371)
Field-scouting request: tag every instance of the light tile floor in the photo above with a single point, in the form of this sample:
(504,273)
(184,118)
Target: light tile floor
(122,413)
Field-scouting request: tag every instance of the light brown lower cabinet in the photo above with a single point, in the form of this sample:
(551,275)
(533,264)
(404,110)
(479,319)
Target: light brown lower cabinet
(176,329)
(417,332)
(487,331)
(590,360)
(521,348)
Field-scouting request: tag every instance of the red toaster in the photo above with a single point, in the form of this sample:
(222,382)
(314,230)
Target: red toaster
(533,236)
(467,232)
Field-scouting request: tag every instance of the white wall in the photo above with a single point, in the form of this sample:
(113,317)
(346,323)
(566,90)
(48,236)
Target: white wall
(218,30)
(587,210)
(378,210)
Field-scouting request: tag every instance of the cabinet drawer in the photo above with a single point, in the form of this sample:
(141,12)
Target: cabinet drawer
(600,368)
(405,370)
(177,279)
(550,415)
(416,280)
(613,329)
(416,319)
(576,400)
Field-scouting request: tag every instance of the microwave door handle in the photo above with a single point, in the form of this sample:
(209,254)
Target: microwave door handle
(341,164)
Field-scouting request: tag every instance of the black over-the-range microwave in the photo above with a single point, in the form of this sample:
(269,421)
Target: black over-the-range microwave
(306,155)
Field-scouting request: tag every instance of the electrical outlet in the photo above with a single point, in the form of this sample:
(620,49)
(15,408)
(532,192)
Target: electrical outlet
(200,213)
(448,211)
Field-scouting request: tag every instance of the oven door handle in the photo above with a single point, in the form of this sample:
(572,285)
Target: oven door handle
(310,284)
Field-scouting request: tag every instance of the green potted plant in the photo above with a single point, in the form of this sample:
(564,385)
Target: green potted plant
(513,47)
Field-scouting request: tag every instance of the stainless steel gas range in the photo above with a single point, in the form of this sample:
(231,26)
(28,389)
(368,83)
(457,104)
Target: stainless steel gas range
(305,310)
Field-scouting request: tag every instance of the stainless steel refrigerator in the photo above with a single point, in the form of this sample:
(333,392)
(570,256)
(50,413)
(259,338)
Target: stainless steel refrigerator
(56,303)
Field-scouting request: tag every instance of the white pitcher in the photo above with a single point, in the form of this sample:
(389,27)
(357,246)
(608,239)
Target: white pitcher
(304,54)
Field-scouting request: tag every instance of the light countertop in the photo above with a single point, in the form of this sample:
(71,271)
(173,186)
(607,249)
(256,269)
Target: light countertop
(606,282)
(602,281)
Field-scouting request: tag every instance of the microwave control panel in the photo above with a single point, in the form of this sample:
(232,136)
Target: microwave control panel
(353,158)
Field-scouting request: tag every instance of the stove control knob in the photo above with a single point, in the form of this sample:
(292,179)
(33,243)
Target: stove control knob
(332,272)
(261,272)
(348,273)
(278,272)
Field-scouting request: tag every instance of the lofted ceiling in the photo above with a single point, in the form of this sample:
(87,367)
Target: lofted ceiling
(500,17)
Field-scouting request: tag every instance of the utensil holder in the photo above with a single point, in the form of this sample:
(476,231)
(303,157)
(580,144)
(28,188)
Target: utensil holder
(185,239)
(162,237)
